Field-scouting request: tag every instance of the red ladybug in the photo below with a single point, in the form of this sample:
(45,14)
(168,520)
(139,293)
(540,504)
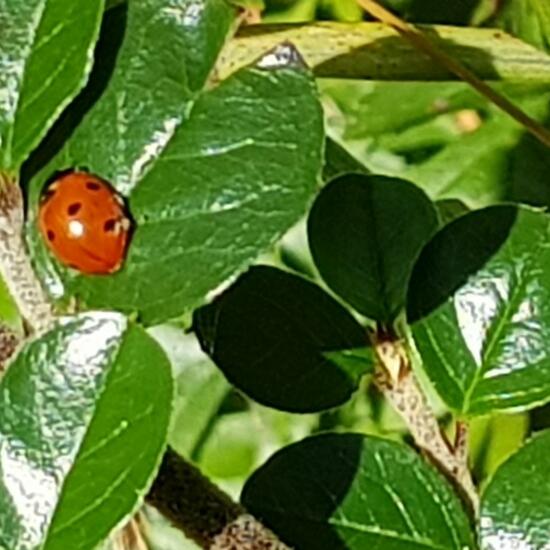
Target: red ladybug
(84,223)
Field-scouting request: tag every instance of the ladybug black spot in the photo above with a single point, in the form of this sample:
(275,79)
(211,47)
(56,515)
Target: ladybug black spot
(51,235)
(74,208)
(93,186)
(109,225)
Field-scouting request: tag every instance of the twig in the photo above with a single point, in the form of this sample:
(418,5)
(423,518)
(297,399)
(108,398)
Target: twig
(395,379)
(15,265)
(421,41)
(203,512)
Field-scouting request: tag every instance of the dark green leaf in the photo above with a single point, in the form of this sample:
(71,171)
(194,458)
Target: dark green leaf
(269,333)
(365,233)
(231,180)
(84,413)
(45,54)
(355,492)
(479,301)
(515,505)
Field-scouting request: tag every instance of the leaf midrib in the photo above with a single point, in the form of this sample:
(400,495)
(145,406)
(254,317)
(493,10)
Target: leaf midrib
(510,308)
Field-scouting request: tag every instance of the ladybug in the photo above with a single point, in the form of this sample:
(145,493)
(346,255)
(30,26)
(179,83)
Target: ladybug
(84,222)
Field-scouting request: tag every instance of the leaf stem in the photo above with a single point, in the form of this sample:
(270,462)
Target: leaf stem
(422,42)
(203,512)
(395,379)
(15,265)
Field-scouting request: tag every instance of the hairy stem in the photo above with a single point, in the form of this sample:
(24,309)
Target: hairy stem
(397,382)
(15,265)
(203,512)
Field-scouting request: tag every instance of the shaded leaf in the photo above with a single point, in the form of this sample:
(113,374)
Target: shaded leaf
(365,233)
(45,57)
(479,304)
(514,507)
(76,407)
(356,492)
(269,333)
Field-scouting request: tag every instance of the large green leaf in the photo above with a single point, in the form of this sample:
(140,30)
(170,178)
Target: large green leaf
(220,188)
(45,57)
(479,304)
(365,233)
(515,506)
(271,332)
(84,413)
(355,492)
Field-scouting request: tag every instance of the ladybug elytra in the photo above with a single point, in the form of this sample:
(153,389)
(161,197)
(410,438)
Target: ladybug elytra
(84,223)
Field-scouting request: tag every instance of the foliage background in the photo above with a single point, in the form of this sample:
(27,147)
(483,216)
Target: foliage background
(443,137)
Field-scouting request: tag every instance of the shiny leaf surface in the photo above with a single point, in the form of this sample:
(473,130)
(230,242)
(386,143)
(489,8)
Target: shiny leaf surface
(365,233)
(515,505)
(270,333)
(356,492)
(168,52)
(229,182)
(479,304)
(76,408)
(45,56)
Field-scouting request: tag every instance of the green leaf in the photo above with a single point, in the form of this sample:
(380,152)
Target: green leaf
(9,314)
(84,413)
(233,177)
(356,492)
(200,388)
(269,333)
(514,507)
(365,233)
(45,54)
(528,20)
(479,304)
(493,439)
(168,49)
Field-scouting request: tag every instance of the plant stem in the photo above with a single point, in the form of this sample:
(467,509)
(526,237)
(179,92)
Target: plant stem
(203,512)
(395,378)
(15,265)
(377,52)
(423,43)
